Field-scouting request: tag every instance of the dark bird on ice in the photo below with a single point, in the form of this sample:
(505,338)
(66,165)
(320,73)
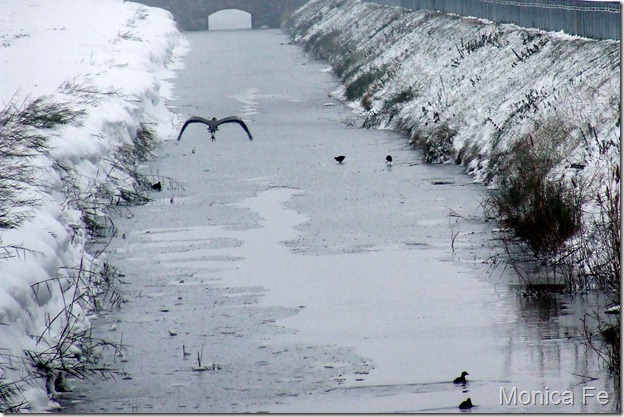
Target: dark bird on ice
(157,186)
(389,159)
(466,405)
(213,124)
(461,379)
(340,158)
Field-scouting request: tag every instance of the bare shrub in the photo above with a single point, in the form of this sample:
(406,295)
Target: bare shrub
(367,102)
(561,234)
(543,211)
(360,85)
(323,45)
(601,242)
(23,129)
(66,346)
(9,397)
(144,142)
(404,96)
(604,339)
(438,144)
(40,113)
(73,350)
(600,260)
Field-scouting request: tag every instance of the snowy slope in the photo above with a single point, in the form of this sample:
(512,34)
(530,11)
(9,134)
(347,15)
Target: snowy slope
(470,91)
(488,84)
(105,62)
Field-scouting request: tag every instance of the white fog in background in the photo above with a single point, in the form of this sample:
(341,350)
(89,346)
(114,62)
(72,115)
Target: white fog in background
(229,19)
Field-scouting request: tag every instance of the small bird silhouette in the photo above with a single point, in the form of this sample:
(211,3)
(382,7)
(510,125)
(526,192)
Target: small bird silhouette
(461,379)
(340,158)
(466,405)
(213,125)
(157,186)
(389,159)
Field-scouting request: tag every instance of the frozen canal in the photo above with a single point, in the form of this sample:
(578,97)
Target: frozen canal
(312,286)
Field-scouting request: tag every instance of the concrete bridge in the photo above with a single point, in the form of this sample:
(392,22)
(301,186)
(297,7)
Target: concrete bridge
(193,14)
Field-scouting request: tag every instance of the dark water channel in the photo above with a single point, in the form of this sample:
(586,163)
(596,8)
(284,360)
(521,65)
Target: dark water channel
(311,286)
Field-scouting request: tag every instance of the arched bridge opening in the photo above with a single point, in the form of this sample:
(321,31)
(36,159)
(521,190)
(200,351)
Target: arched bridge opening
(193,14)
(230,19)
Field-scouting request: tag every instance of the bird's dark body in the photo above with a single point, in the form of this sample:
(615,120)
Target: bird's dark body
(389,159)
(461,379)
(466,405)
(340,158)
(157,186)
(213,124)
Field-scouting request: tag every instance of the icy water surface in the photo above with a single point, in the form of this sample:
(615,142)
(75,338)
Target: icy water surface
(305,285)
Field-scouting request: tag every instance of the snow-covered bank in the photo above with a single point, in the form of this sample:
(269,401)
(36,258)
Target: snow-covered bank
(86,80)
(466,88)
(477,93)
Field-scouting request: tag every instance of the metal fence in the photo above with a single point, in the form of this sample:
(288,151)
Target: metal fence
(591,19)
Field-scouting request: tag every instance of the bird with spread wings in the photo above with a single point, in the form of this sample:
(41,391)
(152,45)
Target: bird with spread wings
(213,124)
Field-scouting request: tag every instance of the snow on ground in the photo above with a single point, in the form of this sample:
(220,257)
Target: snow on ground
(469,91)
(107,60)
(469,88)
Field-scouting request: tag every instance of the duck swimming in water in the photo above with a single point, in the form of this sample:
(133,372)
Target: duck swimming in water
(461,379)
(213,125)
(466,405)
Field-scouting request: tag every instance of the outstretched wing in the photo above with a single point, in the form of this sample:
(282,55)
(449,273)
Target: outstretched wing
(193,119)
(234,119)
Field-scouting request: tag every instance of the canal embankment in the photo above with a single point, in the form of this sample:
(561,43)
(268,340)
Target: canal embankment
(534,115)
(84,92)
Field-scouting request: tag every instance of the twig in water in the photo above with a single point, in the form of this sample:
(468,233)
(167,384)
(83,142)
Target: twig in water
(453,240)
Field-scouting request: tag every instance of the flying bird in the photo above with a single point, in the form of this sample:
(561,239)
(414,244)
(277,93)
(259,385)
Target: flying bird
(389,159)
(340,158)
(461,379)
(213,124)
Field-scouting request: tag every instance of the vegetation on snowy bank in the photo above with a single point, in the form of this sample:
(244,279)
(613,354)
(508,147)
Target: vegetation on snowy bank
(68,158)
(532,114)
(65,346)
